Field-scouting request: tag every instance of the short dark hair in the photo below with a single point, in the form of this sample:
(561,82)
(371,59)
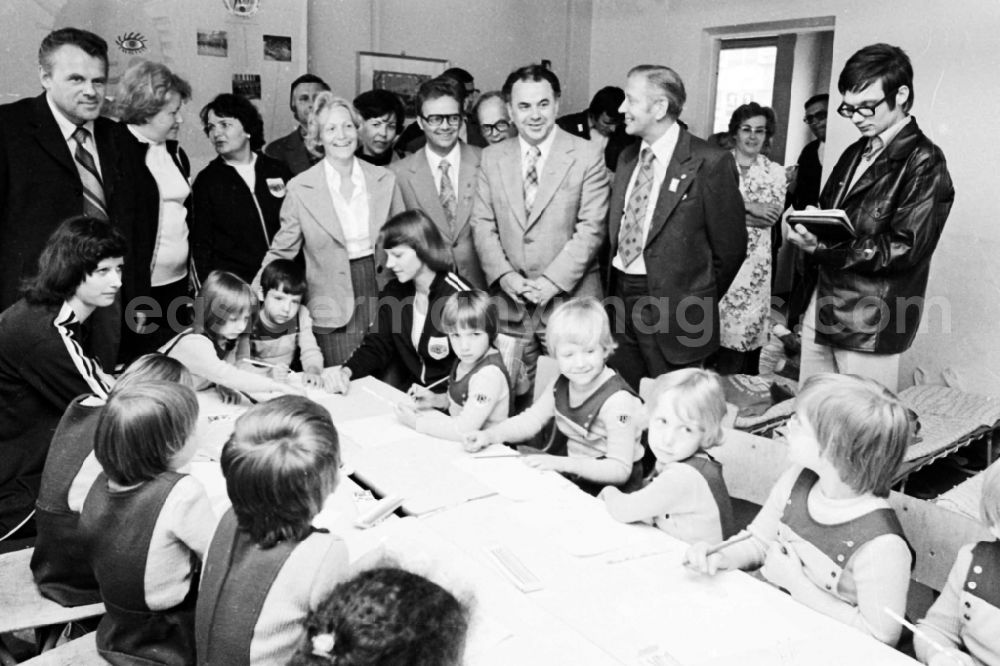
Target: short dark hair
(86,41)
(377,103)
(228,105)
(441,86)
(460,76)
(472,309)
(751,110)
(305,78)
(142,427)
(143,89)
(72,252)
(280,464)
(666,81)
(531,73)
(815,99)
(607,100)
(414,229)
(284,274)
(889,64)
(381,615)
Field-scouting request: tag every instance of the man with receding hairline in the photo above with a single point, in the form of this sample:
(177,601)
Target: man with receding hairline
(676,230)
(291,148)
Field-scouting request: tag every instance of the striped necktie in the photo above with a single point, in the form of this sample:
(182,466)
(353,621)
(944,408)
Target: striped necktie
(531,177)
(447,193)
(93,190)
(630,236)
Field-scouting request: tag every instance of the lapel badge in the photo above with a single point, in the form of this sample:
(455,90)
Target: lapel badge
(674,182)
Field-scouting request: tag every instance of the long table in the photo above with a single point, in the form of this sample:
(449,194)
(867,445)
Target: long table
(610,593)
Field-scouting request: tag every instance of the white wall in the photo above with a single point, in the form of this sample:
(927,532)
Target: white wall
(953,48)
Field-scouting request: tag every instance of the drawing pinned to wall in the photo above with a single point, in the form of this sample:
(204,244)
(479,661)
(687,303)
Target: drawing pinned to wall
(243,8)
(131,43)
(277,47)
(213,43)
(398,73)
(247,85)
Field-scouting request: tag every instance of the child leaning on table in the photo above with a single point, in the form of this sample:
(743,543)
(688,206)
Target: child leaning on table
(686,495)
(965,619)
(267,566)
(146,525)
(827,534)
(480,393)
(386,616)
(593,407)
(283,324)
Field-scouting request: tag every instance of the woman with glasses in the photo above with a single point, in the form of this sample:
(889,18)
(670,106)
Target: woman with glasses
(745,308)
(238,195)
(332,214)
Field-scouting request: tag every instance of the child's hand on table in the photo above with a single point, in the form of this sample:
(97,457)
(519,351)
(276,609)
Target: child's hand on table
(782,566)
(228,395)
(337,379)
(313,379)
(477,441)
(951,658)
(698,558)
(280,372)
(406,415)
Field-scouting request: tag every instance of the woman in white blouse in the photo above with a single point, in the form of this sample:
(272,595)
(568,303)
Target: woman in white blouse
(333,213)
(149,99)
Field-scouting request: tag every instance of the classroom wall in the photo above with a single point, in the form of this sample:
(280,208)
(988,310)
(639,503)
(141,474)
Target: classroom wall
(952,46)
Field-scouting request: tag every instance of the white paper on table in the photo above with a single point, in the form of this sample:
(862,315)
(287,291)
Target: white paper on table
(510,477)
(376,431)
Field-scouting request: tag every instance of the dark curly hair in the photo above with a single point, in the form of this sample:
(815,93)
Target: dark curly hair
(228,105)
(386,617)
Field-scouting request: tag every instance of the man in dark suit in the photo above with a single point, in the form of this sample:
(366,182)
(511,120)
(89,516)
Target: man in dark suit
(601,123)
(810,164)
(59,158)
(677,233)
(291,148)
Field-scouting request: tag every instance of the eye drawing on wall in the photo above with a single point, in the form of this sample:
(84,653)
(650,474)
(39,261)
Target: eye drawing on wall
(131,43)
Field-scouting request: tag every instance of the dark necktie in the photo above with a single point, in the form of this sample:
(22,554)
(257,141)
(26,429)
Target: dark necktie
(93,190)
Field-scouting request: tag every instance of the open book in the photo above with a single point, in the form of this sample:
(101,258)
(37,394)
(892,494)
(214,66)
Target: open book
(829,225)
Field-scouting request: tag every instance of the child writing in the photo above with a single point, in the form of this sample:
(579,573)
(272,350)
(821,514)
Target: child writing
(267,566)
(60,563)
(283,324)
(686,496)
(965,619)
(479,387)
(826,533)
(146,525)
(220,338)
(382,614)
(593,407)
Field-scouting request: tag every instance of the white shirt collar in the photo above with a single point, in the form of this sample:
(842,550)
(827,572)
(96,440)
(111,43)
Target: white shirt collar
(453,157)
(65,126)
(663,148)
(140,136)
(890,132)
(333,176)
(545,147)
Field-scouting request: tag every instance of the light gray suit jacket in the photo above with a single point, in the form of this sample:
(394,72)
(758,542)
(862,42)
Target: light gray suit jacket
(561,237)
(309,222)
(415,189)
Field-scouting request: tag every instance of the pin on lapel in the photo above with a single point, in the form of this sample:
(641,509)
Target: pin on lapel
(674,182)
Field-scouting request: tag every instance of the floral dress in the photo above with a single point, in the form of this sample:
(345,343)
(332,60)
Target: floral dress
(745,308)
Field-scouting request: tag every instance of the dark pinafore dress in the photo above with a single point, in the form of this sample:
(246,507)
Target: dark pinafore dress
(236,580)
(711,471)
(979,600)
(458,389)
(119,528)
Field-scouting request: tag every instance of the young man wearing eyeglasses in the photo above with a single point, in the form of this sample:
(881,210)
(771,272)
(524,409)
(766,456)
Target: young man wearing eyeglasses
(440,178)
(894,186)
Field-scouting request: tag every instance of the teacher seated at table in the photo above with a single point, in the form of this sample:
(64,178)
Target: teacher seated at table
(405,344)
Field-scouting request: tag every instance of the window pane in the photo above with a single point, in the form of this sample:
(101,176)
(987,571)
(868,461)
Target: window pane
(745,75)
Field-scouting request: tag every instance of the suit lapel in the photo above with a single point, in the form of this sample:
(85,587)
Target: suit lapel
(616,207)
(317,200)
(510,174)
(557,165)
(379,186)
(107,153)
(427,194)
(680,174)
(466,187)
(49,136)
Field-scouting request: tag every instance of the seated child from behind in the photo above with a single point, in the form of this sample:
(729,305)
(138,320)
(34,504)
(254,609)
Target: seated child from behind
(267,566)
(480,394)
(686,495)
(965,619)
(826,533)
(283,324)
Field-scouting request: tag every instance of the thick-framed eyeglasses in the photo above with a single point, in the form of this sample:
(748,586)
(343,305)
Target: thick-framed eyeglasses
(812,118)
(499,127)
(866,111)
(438,119)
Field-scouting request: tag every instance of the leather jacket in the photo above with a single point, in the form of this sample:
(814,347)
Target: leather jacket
(870,290)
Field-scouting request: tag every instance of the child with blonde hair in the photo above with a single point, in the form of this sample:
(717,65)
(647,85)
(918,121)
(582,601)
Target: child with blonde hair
(593,407)
(827,534)
(965,619)
(686,495)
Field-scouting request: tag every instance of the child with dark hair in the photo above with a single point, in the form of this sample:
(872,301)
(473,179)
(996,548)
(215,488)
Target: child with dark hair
(146,525)
(268,566)
(386,616)
(284,326)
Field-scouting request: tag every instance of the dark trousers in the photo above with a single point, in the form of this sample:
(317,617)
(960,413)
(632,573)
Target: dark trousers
(155,322)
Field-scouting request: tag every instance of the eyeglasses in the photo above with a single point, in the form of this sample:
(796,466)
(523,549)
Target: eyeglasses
(866,111)
(437,119)
(811,118)
(499,127)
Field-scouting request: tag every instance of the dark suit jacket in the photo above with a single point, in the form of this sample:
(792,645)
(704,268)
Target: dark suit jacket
(696,244)
(808,178)
(578,125)
(40,187)
(291,150)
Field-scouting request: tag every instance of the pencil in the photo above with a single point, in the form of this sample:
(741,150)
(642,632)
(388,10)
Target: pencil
(918,632)
(265,364)
(743,536)
(437,383)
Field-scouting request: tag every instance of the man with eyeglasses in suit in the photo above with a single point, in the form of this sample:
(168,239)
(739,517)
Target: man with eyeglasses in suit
(894,186)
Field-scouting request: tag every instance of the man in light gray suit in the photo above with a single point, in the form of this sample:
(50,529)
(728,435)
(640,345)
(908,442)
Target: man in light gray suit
(440,178)
(539,216)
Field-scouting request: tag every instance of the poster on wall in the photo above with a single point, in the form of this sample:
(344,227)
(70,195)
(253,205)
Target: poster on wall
(398,73)
(277,48)
(247,85)
(213,43)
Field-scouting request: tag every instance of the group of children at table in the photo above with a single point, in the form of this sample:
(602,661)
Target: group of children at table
(265,586)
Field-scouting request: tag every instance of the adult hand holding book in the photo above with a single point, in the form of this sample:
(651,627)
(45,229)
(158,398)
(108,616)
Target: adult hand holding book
(827,225)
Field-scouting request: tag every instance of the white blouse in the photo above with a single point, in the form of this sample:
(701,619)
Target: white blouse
(353,214)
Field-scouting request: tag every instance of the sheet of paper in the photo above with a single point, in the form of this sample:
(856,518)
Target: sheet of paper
(375,431)
(510,477)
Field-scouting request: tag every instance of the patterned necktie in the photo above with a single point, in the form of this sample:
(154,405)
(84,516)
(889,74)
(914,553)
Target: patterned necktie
(93,190)
(531,177)
(630,236)
(447,193)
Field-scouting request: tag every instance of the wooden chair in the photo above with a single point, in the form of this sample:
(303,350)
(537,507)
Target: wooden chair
(750,464)
(79,652)
(23,607)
